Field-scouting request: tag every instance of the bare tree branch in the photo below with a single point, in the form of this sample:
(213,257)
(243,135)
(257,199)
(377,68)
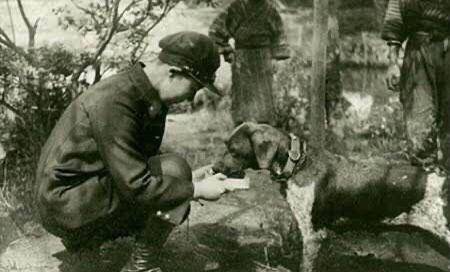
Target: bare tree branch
(86,11)
(11,108)
(128,7)
(103,45)
(31,27)
(115,17)
(114,23)
(142,52)
(24,16)
(139,20)
(168,6)
(4,38)
(6,41)
(36,23)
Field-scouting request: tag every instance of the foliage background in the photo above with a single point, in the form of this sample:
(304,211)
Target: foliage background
(35,92)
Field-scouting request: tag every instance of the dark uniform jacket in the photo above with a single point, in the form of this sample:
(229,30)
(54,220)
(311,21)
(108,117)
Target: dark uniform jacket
(95,159)
(406,17)
(424,84)
(253,25)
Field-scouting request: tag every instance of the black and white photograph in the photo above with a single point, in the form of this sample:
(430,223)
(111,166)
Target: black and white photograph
(224,136)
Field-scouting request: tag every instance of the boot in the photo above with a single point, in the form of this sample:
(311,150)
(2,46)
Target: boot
(144,258)
(147,247)
(83,260)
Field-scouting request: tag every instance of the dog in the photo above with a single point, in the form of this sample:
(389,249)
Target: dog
(261,146)
(323,193)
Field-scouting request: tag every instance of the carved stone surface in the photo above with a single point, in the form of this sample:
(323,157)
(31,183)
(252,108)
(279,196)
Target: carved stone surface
(250,230)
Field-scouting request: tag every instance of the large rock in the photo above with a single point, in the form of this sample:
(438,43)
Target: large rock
(381,251)
(343,210)
(244,231)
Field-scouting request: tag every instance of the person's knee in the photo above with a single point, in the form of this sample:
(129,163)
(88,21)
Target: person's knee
(172,165)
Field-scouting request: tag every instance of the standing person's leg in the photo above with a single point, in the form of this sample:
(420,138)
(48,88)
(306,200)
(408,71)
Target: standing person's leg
(444,137)
(237,93)
(445,148)
(444,124)
(158,226)
(418,97)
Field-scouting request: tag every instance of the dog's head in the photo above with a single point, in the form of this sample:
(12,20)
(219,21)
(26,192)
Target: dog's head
(257,146)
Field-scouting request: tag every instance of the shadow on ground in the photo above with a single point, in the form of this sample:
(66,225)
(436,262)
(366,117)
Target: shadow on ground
(222,248)
(207,247)
(249,231)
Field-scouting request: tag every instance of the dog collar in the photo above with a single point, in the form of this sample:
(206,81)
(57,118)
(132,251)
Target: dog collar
(294,156)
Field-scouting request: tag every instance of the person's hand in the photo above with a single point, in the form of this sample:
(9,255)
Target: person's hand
(393,77)
(211,188)
(229,57)
(393,72)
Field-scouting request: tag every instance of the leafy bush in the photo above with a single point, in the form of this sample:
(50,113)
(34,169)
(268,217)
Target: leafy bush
(37,84)
(35,94)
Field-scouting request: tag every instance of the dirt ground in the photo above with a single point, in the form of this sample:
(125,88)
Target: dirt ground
(212,240)
(231,234)
(243,230)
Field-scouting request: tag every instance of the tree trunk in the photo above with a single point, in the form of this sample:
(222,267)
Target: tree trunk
(301,187)
(317,95)
(98,72)
(333,91)
(252,88)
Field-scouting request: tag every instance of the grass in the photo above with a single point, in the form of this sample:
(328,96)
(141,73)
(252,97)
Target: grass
(201,140)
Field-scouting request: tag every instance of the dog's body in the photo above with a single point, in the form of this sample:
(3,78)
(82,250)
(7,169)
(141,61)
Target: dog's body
(363,191)
(257,146)
(368,190)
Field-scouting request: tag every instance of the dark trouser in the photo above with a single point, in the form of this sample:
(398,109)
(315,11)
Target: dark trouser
(121,224)
(425,95)
(131,220)
(142,256)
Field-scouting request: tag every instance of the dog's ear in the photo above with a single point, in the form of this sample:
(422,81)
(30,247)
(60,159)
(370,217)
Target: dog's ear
(255,143)
(239,143)
(265,142)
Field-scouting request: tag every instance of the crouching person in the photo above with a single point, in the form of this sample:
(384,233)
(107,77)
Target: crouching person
(99,176)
